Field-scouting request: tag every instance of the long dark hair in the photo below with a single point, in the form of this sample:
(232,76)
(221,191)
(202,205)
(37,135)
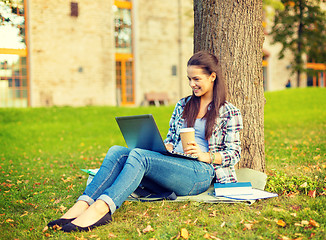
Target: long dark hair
(209,64)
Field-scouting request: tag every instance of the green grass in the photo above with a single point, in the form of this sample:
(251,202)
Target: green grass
(43,149)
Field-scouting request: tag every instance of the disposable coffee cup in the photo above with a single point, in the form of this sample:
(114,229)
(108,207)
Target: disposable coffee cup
(187,135)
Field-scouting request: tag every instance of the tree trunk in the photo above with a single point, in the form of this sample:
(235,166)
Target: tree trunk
(298,58)
(233,31)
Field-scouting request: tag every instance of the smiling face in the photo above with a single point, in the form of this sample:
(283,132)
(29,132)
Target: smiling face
(200,82)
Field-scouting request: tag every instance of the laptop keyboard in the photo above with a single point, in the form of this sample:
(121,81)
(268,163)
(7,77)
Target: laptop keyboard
(184,154)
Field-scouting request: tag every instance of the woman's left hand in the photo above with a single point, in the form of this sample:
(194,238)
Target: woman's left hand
(194,149)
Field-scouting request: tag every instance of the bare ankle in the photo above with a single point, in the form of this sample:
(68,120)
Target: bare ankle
(101,207)
(77,209)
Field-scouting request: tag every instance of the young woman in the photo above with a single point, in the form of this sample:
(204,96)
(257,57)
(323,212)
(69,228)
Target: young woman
(217,145)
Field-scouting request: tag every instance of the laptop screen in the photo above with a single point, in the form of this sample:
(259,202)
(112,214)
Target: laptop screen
(140,131)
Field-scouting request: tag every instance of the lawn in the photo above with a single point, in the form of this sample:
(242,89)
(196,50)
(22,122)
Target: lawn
(43,149)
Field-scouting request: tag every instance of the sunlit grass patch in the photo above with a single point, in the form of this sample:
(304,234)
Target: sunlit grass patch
(43,149)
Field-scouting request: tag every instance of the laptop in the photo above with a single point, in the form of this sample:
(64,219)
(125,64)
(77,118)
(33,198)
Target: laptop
(141,131)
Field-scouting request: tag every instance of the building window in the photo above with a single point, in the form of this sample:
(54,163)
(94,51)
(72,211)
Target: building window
(14,85)
(124,52)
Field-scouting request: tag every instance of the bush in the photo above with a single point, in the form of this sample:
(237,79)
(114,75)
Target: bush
(281,183)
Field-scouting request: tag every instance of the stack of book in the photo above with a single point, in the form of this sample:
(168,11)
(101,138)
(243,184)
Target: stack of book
(232,189)
(240,191)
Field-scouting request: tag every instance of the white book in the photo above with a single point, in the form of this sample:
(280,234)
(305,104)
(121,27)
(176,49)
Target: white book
(230,189)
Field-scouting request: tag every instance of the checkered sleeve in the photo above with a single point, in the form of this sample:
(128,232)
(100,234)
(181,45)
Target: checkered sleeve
(231,150)
(172,136)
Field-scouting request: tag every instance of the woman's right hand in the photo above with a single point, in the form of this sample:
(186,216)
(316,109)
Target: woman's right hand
(169,147)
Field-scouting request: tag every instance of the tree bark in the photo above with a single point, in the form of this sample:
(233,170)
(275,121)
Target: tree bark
(233,31)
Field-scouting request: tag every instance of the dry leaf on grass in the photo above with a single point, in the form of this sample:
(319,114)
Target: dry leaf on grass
(56,227)
(281,223)
(313,223)
(62,208)
(213,214)
(24,214)
(304,222)
(278,209)
(45,229)
(312,193)
(248,226)
(184,233)
(209,236)
(284,237)
(111,235)
(80,238)
(148,229)
(48,235)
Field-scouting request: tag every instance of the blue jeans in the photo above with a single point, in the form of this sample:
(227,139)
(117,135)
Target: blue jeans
(123,169)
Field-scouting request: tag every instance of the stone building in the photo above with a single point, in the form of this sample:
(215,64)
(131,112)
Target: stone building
(103,52)
(86,52)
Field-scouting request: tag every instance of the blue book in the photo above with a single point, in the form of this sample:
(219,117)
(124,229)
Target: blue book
(230,189)
(91,172)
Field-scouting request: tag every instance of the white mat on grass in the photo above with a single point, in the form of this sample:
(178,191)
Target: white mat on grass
(257,179)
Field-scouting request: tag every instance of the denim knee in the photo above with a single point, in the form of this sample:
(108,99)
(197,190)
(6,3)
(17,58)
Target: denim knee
(137,156)
(121,151)
(116,148)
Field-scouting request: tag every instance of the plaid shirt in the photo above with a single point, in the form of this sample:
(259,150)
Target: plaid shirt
(225,138)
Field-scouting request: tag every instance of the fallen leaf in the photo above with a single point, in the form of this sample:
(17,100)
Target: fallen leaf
(62,208)
(305,184)
(248,226)
(148,229)
(213,237)
(45,229)
(184,233)
(56,227)
(111,235)
(139,233)
(80,238)
(207,236)
(278,209)
(284,237)
(292,194)
(213,214)
(304,222)
(312,193)
(9,220)
(24,214)
(281,223)
(313,223)
(222,225)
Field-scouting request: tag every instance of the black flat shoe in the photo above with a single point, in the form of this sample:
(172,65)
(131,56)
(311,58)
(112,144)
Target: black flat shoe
(60,222)
(70,227)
